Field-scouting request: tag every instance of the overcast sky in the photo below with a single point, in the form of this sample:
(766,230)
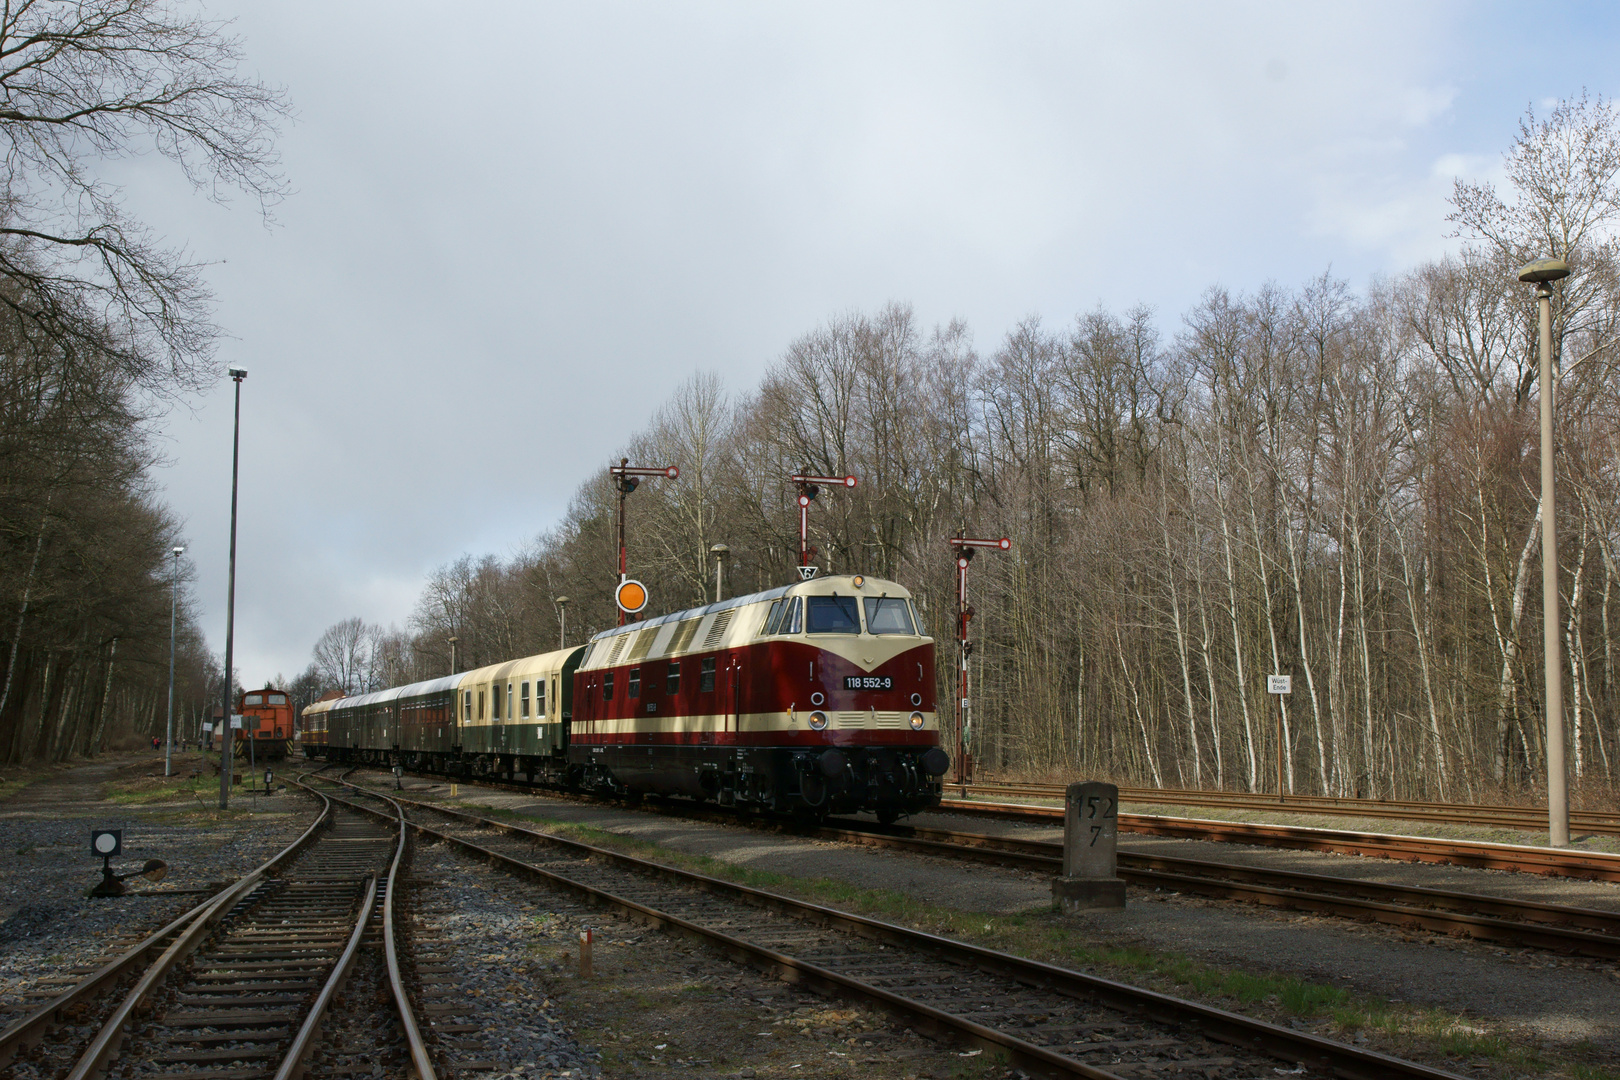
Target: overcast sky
(517,226)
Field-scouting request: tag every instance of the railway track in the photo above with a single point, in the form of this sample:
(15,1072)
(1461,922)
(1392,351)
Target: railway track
(1524,858)
(241,986)
(1048,1020)
(1564,929)
(1529,818)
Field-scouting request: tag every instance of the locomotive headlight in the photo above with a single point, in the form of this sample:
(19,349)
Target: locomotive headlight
(818,721)
(917,721)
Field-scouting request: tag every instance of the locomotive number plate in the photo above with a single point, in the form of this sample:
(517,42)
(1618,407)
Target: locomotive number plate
(868,682)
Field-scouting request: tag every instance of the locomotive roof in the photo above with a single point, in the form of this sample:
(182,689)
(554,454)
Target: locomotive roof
(741,601)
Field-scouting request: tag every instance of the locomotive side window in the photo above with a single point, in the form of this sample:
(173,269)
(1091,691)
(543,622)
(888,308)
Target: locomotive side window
(792,621)
(832,615)
(524,697)
(672,683)
(539,697)
(634,688)
(607,687)
(706,675)
(888,615)
(773,618)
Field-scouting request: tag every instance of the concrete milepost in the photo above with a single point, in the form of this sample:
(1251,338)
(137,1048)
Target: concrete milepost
(1090,880)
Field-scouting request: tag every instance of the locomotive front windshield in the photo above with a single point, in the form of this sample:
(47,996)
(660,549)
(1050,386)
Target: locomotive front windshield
(888,615)
(831,615)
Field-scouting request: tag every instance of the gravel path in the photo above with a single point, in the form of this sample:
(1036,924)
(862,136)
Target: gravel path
(49,927)
(1528,995)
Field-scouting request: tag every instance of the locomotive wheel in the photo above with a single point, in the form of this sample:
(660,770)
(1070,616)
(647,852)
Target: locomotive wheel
(887,816)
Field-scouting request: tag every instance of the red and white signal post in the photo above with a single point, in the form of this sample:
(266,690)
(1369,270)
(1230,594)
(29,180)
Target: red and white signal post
(966,547)
(631,596)
(809,488)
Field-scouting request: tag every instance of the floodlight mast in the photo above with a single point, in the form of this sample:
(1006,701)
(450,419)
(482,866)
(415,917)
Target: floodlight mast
(809,488)
(966,547)
(626,478)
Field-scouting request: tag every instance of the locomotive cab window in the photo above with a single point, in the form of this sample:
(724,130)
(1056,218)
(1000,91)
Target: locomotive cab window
(791,621)
(607,687)
(634,687)
(253,699)
(772,618)
(888,615)
(523,699)
(832,615)
(706,676)
(278,699)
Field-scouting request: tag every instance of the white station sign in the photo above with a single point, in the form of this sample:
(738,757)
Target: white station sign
(1279,684)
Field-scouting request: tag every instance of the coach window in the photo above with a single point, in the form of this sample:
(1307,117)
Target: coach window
(672,681)
(635,682)
(494,702)
(509,715)
(772,618)
(480,704)
(466,706)
(539,697)
(525,699)
(607,687)
(706,675)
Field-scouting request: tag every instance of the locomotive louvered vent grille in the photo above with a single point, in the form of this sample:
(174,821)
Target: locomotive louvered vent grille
(718,630)
(644,642)
(889,720)
(683,636)
(618,647)
(849,719)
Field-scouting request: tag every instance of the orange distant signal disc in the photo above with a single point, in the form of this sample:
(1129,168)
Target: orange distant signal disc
(631,596)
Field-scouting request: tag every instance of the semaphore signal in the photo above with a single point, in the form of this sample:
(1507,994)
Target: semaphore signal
(631,596)
(809,488)
(966,547)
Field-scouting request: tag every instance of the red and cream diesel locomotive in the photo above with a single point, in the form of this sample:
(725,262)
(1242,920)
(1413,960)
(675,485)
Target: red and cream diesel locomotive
(814,698)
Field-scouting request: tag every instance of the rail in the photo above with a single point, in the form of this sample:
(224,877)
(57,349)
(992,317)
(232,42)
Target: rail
(1216,1024)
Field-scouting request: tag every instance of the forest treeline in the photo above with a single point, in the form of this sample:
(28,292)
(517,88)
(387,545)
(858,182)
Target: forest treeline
(1297,479)
(103,329)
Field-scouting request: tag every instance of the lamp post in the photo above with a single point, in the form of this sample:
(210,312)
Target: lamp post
(562,621)
(720,552)
(453,640)
(174,592)
(1542,273)
(227,745)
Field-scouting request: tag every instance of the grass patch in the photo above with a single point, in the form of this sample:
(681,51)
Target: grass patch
(1043,935)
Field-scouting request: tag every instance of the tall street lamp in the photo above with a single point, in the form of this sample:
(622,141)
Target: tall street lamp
(174,592)
(720,552)
(562,621)
(227,744)
(1542,273)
